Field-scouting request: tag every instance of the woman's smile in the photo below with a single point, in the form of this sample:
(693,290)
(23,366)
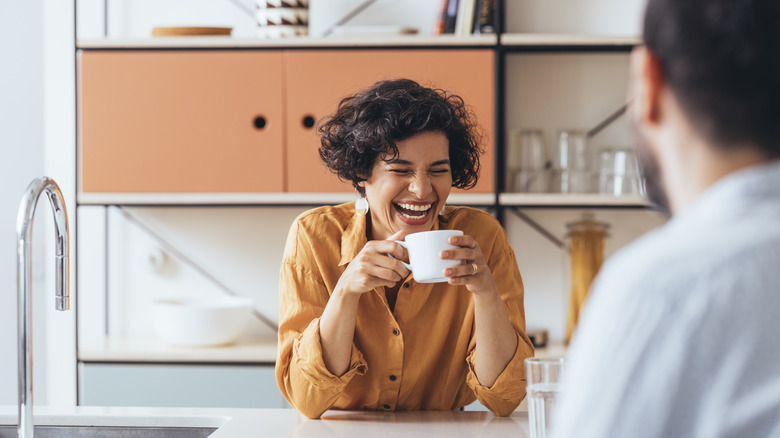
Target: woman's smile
(412,213)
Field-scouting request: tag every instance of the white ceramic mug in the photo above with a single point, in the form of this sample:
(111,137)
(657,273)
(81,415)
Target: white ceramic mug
(424,254)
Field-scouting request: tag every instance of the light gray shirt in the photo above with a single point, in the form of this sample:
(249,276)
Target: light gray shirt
(681,334)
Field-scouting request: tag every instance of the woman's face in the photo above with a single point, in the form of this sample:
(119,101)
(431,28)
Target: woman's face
(407,193)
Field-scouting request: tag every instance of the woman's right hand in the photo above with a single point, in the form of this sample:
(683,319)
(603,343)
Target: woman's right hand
(374,267)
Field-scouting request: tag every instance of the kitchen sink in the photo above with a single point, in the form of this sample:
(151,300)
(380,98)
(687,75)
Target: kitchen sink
(111,432)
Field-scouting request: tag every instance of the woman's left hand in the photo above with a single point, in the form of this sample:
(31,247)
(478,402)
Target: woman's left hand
(474,272)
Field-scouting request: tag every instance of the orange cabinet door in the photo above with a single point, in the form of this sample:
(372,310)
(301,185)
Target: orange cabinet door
(181,121)
(318,80)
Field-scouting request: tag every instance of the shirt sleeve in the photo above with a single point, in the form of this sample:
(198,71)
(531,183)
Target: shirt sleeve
(509,388)
(301,374)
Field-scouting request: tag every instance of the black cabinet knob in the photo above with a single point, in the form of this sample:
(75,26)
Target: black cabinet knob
(259,122)
(308,121)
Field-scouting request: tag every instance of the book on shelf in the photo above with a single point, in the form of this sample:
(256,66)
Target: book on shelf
(485,19)
(466,17)
(438,28)
(445,24)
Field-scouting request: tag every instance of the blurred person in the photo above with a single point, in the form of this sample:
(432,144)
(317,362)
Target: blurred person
(356,331)
(680,336)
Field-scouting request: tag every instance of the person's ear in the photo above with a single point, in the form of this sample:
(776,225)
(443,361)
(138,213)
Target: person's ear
(647,83)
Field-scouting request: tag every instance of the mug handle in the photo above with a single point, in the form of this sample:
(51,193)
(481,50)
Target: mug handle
(405,245)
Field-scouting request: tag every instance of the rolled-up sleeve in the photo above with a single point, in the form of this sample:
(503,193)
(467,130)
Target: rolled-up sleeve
(301,374)
(509,388)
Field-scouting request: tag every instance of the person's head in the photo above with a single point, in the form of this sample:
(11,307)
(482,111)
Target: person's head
(403,146)
(718,62)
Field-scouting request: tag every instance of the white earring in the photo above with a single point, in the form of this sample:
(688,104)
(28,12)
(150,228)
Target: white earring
(361,206)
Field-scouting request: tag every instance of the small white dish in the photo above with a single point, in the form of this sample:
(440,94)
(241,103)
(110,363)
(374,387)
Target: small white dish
(201,321)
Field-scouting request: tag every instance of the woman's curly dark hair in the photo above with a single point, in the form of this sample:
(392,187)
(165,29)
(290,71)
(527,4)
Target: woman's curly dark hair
(367,125)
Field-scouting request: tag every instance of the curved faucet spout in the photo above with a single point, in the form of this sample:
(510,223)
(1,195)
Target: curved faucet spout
(24,223)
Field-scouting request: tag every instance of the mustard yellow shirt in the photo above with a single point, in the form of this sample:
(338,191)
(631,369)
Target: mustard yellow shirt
(420,356)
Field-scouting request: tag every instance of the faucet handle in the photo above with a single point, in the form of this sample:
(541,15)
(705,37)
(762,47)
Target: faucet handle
(62,292)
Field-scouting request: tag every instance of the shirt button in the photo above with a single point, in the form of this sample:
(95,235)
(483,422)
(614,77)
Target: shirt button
(407,285)
(392,377)
(396,332)
(386,406)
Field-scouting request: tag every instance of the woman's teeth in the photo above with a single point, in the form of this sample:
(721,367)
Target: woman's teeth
(413,211)
(414,207)
(413,217)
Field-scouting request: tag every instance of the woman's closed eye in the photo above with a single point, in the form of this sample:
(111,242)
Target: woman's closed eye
(401,171)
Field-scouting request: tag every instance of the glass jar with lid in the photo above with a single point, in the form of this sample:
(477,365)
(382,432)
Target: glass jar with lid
(586,239)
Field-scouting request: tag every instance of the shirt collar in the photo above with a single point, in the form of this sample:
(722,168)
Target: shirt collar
(734,194)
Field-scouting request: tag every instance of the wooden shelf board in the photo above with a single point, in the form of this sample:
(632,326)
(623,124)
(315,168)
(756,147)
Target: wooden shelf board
(259,199)
(537,39)
(572,201)
(117,349)
(292,199)
(207,42)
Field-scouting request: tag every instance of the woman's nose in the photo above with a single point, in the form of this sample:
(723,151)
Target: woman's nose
(420,186)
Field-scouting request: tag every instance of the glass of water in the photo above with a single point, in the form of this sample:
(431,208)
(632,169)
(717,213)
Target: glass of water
(543,388)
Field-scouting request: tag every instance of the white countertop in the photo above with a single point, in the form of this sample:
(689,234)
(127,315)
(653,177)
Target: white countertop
(237,423)
(117,349)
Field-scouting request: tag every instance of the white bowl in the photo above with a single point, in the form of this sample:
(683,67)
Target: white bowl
(201,322)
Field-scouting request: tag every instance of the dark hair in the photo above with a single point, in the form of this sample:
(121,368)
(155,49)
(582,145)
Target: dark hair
(366,126)
(721,59)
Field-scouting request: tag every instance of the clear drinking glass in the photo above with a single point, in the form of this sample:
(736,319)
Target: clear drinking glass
(543,390)
(618,173)
(527,166)
(571,168)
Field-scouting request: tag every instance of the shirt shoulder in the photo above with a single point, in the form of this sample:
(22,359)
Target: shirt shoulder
(470,220)
(320,227)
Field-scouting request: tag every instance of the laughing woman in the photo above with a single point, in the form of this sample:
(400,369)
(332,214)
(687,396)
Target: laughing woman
(356,331)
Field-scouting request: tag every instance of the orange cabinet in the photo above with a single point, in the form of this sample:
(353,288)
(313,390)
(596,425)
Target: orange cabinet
(244,121)
(318,79)
(181,121)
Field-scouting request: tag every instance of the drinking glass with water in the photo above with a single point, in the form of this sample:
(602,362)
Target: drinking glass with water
(543,388)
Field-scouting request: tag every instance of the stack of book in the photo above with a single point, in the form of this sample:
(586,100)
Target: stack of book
(282,18)
(467,17)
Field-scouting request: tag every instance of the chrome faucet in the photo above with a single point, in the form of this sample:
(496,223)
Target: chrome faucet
(24,222)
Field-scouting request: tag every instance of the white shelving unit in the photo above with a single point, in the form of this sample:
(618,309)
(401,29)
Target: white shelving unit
(514,52)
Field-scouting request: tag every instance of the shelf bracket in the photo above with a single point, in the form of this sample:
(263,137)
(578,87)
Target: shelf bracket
(200,269)
(538,228)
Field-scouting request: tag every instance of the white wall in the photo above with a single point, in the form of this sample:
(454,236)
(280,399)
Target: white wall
(59,163)
(21,160)
(36,102)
